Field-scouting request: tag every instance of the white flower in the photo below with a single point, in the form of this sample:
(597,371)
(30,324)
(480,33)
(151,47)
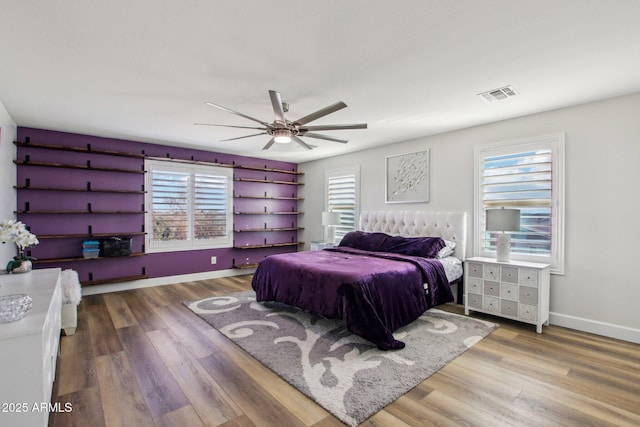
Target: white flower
(16,232)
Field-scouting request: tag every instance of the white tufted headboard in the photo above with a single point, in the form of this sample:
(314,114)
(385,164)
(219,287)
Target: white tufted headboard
(447,225)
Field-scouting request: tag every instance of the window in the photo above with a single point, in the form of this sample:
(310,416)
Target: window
(526,175)
(342,195)
(188,206)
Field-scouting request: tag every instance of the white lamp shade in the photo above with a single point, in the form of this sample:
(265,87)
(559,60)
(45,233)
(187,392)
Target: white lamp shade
(330,218)
(503,219)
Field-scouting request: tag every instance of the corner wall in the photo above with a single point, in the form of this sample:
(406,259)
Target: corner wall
(599,291)
(7,179)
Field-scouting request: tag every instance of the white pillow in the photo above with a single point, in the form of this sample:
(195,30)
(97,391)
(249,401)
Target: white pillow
(447,250)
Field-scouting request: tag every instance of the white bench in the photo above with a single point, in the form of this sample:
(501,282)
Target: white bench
(71,296)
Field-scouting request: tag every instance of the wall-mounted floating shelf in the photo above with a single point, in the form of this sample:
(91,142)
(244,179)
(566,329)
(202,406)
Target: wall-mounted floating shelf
(114,280)
(269,245)
(84,190)
(251,230)
(192,162)
(268,197)
(74,259)
(47,212)
(246,266)
(266,169)
(86,235)
(66,166)
(268,213)
(269,181)
(86,149)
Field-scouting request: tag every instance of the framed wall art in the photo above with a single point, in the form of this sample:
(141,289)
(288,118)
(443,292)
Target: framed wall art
(408,178)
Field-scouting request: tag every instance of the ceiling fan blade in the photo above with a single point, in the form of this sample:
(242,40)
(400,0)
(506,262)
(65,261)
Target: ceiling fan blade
(211,104)
(229,126)
(320,113)
(334,127)
(276,102)
(328,138)
(269,144)
(241,137)
(302,143)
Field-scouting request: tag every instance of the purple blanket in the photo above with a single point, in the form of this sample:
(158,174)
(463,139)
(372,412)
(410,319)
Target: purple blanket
(374,293)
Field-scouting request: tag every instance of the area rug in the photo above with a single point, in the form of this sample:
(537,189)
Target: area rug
(343,373)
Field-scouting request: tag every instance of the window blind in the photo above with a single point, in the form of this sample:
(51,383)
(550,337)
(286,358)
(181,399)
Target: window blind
(188,206)
(521,180)
(170,205)
(210,206)
(341,197)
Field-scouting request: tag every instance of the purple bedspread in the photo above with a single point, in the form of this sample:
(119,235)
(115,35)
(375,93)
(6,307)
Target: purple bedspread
(374,293)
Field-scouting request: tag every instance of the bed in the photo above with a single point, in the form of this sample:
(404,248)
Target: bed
(374,281)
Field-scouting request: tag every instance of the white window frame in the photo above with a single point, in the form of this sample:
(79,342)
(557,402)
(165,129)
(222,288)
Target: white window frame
(554,142)
(155,246)
(336,173)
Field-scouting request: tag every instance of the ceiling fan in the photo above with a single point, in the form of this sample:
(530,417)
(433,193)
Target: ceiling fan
(282,130)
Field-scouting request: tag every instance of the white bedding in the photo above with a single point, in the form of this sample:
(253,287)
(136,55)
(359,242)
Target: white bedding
(452,267)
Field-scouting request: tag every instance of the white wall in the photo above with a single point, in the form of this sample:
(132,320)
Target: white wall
(7,179)
(599,291)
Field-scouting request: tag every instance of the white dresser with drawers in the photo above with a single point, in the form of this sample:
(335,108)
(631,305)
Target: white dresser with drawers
(515,290)
(29,349)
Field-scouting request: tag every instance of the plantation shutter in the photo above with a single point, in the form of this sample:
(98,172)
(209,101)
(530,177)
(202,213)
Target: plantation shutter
(521,180)
(188,206)
(210,210)
(170,205)
(341,197)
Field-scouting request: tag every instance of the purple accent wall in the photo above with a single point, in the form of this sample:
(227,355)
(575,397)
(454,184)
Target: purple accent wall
(151,265)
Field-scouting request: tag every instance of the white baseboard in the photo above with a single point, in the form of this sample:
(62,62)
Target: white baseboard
(595,327)
(161,281)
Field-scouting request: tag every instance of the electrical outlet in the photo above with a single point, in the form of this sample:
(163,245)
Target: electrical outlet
(214,260)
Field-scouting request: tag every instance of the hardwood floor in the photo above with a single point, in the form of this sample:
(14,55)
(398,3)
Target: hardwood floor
(140,358)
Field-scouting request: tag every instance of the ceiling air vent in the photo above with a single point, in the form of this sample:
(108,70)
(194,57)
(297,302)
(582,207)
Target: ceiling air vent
(498,94)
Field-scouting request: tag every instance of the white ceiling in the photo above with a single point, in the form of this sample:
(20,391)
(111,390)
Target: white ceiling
(143,69)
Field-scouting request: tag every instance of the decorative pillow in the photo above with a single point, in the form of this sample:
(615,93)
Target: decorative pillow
(447,250)
(365,241)
(426,247)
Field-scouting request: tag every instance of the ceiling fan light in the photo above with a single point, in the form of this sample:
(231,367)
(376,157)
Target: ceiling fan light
(283,139)
(282,136)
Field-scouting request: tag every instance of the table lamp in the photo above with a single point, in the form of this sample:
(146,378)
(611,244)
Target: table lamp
(330,220)
(504,220)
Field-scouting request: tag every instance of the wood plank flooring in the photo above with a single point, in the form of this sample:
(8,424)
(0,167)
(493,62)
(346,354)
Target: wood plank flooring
(140,358)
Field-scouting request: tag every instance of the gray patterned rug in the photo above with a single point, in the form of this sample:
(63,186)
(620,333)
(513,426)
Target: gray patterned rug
(343,373)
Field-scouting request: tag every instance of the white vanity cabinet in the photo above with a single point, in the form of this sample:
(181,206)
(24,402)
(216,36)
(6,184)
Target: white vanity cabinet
(29,349)
(515,290)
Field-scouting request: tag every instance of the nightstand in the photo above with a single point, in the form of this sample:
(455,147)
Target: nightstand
(318,246)
(516,290)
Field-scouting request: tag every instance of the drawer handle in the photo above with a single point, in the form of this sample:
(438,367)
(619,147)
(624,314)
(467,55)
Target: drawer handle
(528,294)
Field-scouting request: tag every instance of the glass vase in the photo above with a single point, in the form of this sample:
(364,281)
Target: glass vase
(25,266)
